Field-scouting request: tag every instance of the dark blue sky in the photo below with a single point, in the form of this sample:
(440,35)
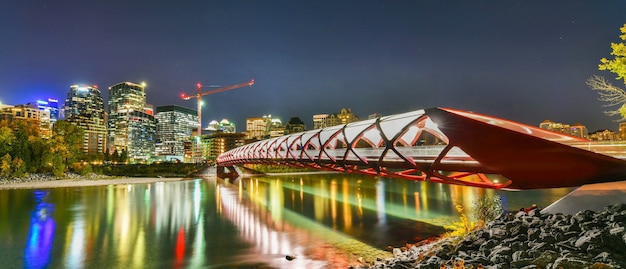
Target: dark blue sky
(521,60)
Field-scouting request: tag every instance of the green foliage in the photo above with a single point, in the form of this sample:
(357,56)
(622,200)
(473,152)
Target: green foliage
(72,137)
(86,170)
(617,65)
(151,170)
(609,93)
(5,166)
(40,154)
(18,168)
(486,209)
(6,140)
(266,168)
(58,166)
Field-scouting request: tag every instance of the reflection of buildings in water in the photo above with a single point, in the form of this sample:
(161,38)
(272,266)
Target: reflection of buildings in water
(270,237)
(128,213)
(40,233)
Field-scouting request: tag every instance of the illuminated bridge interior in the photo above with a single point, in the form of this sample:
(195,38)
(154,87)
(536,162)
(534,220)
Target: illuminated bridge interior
(446,146)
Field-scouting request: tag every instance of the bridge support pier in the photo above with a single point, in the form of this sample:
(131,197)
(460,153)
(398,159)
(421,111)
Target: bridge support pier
(230,172)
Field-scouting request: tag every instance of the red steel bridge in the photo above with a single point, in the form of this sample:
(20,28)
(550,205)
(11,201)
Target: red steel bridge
(446,146)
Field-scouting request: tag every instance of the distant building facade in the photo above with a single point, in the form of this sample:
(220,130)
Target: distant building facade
(577,129)
(295,125)
(84,107)
(345,116)
(604,135)
(257,128)
(220,142)
(223,126)
(174,127)
(319,121)
(28,113)
(51,112)
(622,130)
(131,125)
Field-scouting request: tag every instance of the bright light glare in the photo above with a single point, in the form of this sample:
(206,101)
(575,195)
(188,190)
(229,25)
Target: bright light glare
(143,84)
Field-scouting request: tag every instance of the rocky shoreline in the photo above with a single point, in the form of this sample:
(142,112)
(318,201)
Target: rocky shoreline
(530,240)
(49,177)
(33,181)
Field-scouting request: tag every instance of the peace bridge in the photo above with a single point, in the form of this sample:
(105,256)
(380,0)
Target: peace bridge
(446,146)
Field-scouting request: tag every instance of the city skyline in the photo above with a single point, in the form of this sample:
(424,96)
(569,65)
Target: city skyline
(524,61)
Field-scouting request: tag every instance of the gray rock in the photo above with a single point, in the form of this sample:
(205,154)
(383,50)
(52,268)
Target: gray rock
(617,230)
(570,263)
(518,255)
(602,257)
(497,232)
(582,217)
(545,258)
(587,238)
(521,263)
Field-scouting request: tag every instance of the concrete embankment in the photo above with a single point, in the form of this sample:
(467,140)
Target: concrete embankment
(592,197)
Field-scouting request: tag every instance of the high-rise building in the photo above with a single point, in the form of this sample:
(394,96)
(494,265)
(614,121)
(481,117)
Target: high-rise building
(175,125)
(276,128)
(51,113)
(84,107)
(130,126)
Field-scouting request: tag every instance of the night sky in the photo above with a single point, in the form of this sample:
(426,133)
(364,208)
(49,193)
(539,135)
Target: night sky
(522,60)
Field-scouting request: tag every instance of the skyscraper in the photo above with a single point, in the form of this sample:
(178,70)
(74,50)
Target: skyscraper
(175,125)
(51,113)
(130,125)
(84,107)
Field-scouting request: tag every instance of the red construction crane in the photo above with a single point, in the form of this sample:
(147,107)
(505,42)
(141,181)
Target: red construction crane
(218,90)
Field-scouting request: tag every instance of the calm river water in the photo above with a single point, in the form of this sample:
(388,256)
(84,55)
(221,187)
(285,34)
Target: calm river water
(324,220)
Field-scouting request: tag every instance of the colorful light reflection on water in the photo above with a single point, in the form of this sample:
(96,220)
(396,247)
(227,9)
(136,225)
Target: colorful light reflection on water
(40,233)
(249,223)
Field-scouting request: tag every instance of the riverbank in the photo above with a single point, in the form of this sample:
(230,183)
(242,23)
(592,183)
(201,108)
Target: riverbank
(586,239)
(36,181)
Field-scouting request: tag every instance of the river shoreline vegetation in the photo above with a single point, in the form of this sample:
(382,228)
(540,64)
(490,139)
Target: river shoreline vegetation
(269,168)
(27,152)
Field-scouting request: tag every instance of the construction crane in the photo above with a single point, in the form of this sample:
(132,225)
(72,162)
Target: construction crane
(218,90)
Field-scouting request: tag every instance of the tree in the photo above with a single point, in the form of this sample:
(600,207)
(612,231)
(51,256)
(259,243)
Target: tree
(6,140)
(21,146)
(71,136)
(610,94)
(5,166)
